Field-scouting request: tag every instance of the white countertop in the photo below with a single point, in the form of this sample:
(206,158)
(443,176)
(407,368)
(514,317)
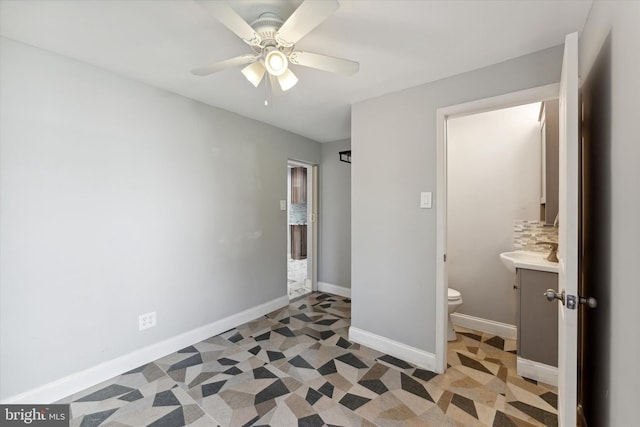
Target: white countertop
(529,260)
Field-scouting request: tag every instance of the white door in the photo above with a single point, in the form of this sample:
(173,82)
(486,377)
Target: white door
(568,234)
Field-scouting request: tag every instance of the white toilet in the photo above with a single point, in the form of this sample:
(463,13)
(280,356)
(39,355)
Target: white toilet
(455,301)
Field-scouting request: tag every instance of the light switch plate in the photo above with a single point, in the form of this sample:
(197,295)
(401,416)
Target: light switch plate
(283,205)
(425,200)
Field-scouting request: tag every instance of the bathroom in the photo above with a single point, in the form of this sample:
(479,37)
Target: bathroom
(502,195)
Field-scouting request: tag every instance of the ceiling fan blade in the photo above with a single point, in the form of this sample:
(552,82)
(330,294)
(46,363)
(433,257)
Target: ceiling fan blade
(230,19)
(305,18)
(325,63)
(229,63)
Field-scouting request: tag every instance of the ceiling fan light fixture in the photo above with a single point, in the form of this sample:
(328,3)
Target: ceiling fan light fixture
(276,62)
(254,73)
(272,41)
(287,80)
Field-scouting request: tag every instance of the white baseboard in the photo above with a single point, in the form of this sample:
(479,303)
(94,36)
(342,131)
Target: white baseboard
(397,349)
(63,387)
(537,371)
(503,330)
(334,289)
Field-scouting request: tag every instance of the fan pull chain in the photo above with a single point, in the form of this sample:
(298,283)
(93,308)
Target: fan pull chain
(266,102)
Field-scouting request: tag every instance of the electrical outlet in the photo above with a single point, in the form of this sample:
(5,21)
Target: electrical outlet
(147,320)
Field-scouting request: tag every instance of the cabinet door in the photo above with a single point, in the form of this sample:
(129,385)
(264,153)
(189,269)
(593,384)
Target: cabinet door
(538,327)
(299,185)
(551,160)
(298,241)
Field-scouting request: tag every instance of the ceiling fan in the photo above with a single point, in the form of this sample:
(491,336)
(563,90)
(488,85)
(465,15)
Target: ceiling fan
(273,43)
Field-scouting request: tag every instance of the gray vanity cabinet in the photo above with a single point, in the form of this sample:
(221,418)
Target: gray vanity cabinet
(537,317)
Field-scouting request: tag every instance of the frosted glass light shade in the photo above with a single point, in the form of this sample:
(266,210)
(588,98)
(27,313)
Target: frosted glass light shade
(287,80)
(254,73)
(276,62)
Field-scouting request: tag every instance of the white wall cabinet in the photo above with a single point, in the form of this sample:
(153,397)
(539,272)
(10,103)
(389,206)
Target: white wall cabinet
(549,182)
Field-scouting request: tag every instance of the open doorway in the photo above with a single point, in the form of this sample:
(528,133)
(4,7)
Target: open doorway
(569,241)
(483,201)
(502,192)
(301,227)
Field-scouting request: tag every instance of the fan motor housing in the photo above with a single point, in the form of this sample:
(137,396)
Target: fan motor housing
(267,24)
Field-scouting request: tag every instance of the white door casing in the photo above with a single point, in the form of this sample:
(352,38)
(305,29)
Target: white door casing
(568,233)
(313,221)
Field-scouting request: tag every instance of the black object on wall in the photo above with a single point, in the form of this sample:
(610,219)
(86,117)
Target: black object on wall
(345,156)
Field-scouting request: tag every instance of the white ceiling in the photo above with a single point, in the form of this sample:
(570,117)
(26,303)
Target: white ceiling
(399,44)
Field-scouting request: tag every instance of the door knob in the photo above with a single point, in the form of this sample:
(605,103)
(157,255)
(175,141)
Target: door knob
(570,299)
(553,295)
(590,302)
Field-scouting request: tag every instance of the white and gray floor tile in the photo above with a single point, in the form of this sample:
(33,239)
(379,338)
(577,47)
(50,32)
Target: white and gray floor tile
(297,367)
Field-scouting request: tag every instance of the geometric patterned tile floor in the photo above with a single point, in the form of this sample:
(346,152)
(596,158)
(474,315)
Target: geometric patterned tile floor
(296,367)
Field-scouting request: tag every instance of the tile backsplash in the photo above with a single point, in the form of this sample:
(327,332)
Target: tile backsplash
(298,213)
(527,233)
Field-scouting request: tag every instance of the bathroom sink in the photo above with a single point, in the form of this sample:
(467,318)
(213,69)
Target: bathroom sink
(529,260)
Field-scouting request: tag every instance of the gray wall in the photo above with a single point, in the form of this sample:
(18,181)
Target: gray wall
(622,231)
(119,199)
(493,179)
(334,264)
(393,240)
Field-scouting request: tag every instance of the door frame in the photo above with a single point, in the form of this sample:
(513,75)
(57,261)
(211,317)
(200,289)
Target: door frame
(443,114)
(312,219)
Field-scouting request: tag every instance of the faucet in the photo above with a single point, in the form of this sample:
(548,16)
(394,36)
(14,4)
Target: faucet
(553,254)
